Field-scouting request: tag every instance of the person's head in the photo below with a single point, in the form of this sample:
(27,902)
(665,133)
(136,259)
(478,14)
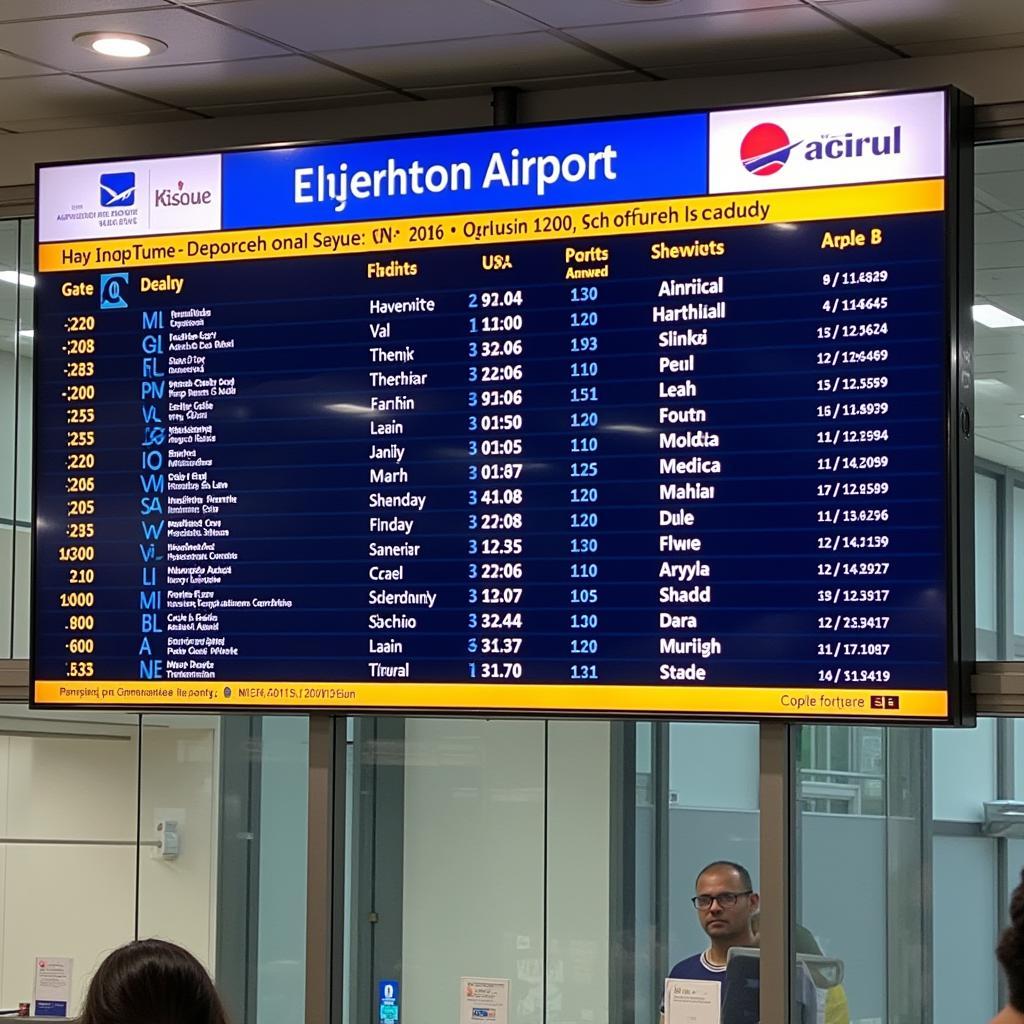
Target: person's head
(1010,950)
(155,982)
(725,902)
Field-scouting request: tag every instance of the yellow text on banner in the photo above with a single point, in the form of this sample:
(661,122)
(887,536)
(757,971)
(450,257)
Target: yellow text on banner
(499,228)
(788,702)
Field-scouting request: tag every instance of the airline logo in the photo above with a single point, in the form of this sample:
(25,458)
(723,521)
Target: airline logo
(832,142)
(117,189)
(765,149)
(118,200)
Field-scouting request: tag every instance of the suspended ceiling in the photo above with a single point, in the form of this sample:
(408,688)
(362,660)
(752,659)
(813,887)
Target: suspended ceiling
(236,57)
(230,58)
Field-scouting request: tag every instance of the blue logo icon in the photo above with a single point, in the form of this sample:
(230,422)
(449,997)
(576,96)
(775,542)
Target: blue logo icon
(117,189)
(111,296)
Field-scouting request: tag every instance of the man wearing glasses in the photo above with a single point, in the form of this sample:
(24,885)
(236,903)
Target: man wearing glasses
(725,903)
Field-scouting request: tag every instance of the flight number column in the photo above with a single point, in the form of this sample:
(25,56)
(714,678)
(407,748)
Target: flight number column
(496,511)
(77,556)
(853,488)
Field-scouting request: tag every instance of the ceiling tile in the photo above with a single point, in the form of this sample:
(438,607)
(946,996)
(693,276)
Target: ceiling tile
(963,44)
(1001,191)
(528,85)
(915,21)
(298,105)
(12,67)
(32,10)
(495,60)
(25,99)
(189,37)
(998,156)
(51,124)
(570,13)
(721,37)
(998,283)
(994,227)
(997,256)
(241,81)
(811,58)
(318,25)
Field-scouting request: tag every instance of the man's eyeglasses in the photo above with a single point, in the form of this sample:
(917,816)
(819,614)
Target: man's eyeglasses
(724,899)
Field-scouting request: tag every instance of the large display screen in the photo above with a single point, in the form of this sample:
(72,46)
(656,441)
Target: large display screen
(648,416)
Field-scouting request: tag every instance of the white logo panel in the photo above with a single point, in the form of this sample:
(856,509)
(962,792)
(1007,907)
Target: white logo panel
(185,194)
(129,197)
(832,142)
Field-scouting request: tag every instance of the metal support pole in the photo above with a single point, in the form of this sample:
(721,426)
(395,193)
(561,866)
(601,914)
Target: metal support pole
(505,104)
(778,820)
(319,867)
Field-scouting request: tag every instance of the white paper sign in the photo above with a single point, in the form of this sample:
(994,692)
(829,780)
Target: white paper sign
(692,1002)
(52,992)
(483,1001)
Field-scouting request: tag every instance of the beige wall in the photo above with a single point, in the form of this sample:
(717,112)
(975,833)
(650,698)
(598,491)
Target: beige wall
(68,806)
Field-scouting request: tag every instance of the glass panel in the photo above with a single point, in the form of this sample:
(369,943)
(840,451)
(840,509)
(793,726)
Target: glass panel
(861,800)
(10,296)
(284,813)
(222,869)
(546,854)
(985,551)
(712,816)
(965,927)
(23,442)
(999,429)
(733,783)
(471,866)
(964,771)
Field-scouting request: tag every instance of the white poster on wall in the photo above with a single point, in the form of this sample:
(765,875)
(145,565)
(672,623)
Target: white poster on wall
(483,1000)
(692,1002)
(52,991)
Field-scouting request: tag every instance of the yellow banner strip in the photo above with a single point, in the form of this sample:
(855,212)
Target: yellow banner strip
(497,229)
(553,697)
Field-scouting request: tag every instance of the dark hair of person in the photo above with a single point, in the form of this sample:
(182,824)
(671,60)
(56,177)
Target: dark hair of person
(740,870)
(152,982)
(1010,950)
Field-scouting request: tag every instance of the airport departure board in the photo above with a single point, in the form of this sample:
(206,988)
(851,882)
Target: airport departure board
(648,416)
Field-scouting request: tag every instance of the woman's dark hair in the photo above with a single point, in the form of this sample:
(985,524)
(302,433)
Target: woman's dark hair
(1011,948)
(152,982)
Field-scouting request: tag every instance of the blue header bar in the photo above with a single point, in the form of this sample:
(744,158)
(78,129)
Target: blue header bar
(515,168)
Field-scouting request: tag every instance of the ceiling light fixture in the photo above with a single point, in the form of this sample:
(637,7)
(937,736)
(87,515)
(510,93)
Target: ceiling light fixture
(13,277)
(124,45)
(992,316)
(26,334)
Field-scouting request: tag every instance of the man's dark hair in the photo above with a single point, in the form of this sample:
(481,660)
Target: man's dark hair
(1011,948)
(155,982)
(744,874)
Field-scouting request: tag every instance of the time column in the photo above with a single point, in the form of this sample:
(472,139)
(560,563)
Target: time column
(77,555)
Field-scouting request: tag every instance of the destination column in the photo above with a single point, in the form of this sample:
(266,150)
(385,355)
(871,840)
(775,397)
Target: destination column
(684,315)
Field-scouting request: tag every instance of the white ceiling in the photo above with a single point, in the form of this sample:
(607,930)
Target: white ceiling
(227,58)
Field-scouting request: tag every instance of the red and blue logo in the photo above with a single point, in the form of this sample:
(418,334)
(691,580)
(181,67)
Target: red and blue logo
(765,149)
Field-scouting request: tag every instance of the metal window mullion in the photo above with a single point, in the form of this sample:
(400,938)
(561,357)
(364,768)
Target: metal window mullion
(320,866)
(778,839)
(660,856)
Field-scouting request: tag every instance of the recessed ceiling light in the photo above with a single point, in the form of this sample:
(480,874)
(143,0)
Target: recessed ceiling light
(992,316)
(120,44)
(26,334)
